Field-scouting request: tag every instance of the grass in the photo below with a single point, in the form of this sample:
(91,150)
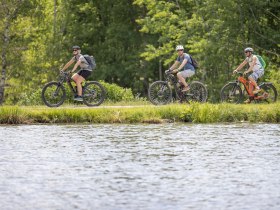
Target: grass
(145,113)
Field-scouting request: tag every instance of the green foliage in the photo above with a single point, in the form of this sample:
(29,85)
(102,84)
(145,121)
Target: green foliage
(214,31)
(133,41)
(116,93)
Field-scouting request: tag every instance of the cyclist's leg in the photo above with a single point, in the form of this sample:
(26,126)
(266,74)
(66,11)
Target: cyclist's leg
(254,77)
(79,78)
(183,75)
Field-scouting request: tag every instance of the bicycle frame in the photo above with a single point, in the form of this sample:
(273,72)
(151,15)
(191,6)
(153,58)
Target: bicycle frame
(66,78)
(249,87)
(173,80)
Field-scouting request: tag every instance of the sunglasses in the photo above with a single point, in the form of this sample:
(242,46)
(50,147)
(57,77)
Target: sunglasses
(75,50)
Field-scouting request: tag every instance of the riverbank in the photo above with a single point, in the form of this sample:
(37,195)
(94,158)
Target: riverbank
(191,113)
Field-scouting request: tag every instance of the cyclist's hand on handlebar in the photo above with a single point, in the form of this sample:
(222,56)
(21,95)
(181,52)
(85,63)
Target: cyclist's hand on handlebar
(245,73)
(168,71)
(175,71)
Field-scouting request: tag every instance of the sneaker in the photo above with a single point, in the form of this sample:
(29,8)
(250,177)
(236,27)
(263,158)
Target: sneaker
(78,98)
(247,101)
(257,91)
(185,89)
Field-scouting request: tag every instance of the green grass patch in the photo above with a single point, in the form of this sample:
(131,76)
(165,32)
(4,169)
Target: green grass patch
(191,113)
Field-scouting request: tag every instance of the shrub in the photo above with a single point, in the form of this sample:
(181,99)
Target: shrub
(115,93)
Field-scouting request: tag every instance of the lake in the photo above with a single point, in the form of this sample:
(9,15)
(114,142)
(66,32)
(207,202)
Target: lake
(140,166)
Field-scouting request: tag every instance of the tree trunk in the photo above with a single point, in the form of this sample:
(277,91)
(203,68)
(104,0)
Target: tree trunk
(6,40)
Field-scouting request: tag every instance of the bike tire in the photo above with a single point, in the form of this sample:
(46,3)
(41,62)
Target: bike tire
(271,91)
(160,93)
(93,93)
(231,93)
(53,94)
(197,93)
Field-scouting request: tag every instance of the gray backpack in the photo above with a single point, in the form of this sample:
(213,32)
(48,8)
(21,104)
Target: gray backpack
(91,61)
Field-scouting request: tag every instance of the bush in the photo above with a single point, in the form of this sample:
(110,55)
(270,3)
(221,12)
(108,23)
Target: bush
(115,93)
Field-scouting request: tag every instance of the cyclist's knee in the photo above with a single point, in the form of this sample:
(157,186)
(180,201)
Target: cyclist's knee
(179,75)
(251,78)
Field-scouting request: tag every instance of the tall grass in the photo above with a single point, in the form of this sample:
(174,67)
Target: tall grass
(193,113)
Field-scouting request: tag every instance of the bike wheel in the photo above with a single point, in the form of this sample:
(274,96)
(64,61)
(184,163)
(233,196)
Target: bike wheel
(93,93)
(269,94)
(53,94)
(231,93)
(159,93)
(197,92)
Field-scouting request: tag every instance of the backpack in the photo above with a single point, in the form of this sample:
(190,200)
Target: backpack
(194,62)
(91,61)
(263,63)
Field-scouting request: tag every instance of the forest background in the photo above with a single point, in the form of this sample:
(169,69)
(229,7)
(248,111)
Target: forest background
(133,41)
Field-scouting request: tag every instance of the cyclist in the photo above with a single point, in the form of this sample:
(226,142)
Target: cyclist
(254,66)
(82,74)
(185,69)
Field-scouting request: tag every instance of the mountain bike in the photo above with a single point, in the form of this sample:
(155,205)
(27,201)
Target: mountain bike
(233,92)
(160,92)
(54,93)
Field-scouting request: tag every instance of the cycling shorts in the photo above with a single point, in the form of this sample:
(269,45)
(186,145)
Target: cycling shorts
(187,73)
(257,74)
(84,73)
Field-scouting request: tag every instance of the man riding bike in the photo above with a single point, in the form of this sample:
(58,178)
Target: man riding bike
(254,66)
(82,74)
(185,69)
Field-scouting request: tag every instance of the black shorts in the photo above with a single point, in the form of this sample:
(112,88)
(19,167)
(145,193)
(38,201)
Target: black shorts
(84,73)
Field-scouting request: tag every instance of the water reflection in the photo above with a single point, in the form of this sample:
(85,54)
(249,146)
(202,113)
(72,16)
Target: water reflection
(167,166)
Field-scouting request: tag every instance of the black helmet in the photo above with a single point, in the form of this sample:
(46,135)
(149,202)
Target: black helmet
(76,47)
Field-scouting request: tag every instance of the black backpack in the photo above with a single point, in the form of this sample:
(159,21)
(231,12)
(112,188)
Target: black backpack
(91,61)
(194,62)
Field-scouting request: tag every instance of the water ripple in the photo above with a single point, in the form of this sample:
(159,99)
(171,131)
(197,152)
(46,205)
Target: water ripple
(166,166)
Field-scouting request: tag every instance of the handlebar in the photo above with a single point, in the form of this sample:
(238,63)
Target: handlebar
(168,71)
(239,74)
(64,73)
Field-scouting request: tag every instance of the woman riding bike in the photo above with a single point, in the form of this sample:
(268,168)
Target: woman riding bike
(82,74)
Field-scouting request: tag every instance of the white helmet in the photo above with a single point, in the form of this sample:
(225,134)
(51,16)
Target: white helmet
(248,49)
(179,47)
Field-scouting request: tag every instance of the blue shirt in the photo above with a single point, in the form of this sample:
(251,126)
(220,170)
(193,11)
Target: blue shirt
(188,65)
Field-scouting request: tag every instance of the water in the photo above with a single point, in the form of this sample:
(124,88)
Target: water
(166,166)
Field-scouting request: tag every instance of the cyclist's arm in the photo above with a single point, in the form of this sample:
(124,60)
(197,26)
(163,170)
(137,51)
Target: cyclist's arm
(174,65)
(182,64)
(76,65)
(67,65)
(240,66)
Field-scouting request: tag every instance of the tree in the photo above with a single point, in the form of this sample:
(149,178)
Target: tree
(8,13)
(214,31)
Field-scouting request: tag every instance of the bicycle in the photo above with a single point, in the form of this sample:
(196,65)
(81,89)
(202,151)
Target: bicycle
(160,92)
(54,93)
(233,93)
